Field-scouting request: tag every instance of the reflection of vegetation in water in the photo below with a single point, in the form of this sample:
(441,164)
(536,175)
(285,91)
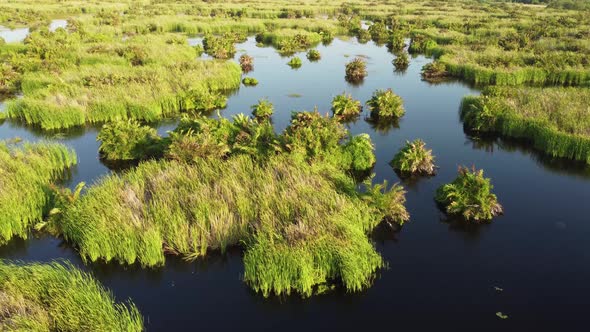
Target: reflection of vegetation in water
(469,196)
(44,297)
(26,173)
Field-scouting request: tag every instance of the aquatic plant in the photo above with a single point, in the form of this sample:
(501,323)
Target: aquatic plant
(363,36)
(60,297)
(314,55)
(312,212)
(26,173)
(263,110)
(290,41)
(356,70)
(220,47)
(385,104)
(379,32)
(414,158)
(434,71)
(395,42)
(295,62)
(250,81)
(554,120)
(246,62)
(345,107)
(128,140)
(401,61)
(469,196)
(421,44)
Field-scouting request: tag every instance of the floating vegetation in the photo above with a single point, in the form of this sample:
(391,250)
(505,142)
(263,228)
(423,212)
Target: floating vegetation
(401,61)
(345,107)
(414,158)
(469,196)
(250,81)
(128,140)
(247,63)
(555,120)
(386,105)
(316,218)
(356,70)
(294,95)
(295,62)
(263,110)
(314,55)
(26,174)
(60,297)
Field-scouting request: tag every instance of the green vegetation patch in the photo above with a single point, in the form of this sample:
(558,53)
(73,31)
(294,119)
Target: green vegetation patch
(26,174)
(345,107)
(60,297)
(555,120)
(386,105)
(414,158)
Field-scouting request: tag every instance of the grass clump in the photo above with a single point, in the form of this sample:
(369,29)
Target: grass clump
(554,120)
(263,110)
(127,140)
(386,105)
(434,71)
(345,107)
(250,81)
(414,158)
(246,62)
(401,61)
(295,62)
(26,174)
(290,41)
(60,297)
(220,47)
(300,224)
(469,196)
(356,70)
(314,55)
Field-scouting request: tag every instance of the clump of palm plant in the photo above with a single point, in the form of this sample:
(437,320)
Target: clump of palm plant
(246,62)
(313,55)
(401,61)
(396,42)
(434,71)
(379,32)
(414,158)
(295,62)
(220,47)
(128,140)
(345,107)
(263,110)
(385,104)
(60,297)
(363,36)
(356,70)
(470,196)
(250,81)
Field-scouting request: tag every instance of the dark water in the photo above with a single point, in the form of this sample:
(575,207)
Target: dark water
(441,274)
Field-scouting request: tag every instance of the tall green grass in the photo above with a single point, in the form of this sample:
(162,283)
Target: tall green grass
(554,120)
(60,297)
(26,173)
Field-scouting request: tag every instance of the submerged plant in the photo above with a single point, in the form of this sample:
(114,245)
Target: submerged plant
(414,158)
(314,55)
(295,62)
(250,81)
(386,105)
(401,61)
(470,196)
(246,62)
(128,140)
(356,70)
(345,107)
(60,297)
(263,110)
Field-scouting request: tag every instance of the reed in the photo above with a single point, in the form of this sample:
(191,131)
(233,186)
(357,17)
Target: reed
(60,297)
(26,173)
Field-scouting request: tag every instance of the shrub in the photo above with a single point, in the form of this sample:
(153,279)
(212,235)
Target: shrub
(60,297)
(385,104)
(247,63)
(401,61)
(469,196)
(314,55)
(263,110)
(345,107)
(128,140)
(250,81)
(295,62)
(356,70)
(414,158)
